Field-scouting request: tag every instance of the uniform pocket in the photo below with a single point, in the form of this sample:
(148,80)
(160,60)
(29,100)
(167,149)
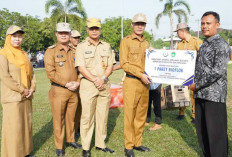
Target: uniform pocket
(134,56)
(89,59)
(11,96)
(60,61)
(104,57)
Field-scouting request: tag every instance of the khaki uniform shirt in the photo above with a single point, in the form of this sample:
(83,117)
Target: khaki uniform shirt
(11,85)
(72,46)
(95,58)
(193,43)
(132,55)
(59,65)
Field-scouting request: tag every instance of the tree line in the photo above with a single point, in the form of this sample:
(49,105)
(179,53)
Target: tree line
(40,34)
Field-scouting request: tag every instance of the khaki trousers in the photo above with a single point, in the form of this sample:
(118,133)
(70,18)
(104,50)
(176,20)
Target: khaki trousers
(182,109)
(63,104)
(16,129)
(95,103)
(135,99)
(78,115)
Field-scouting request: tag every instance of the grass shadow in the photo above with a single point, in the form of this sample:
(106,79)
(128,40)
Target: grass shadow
(112,120)
(113,113)
(42,136)
(230,146)
(184,127)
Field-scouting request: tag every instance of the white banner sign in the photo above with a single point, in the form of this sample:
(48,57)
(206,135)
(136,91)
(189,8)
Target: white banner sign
(171,66)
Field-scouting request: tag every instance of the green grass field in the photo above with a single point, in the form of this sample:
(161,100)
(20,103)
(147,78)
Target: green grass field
(175,139)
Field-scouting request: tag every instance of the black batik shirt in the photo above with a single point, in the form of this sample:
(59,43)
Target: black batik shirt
(211,70)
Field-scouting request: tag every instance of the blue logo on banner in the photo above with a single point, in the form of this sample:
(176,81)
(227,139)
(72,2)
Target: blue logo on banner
(149,52)
(189,81)
(190,53)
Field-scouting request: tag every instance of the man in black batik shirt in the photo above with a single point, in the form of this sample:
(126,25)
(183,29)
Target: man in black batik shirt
(210,89)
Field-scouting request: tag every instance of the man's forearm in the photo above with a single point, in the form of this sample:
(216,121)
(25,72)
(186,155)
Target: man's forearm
(108,71)
(86,73)
(130,69)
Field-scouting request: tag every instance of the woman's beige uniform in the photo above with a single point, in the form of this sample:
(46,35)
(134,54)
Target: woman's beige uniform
(17,112)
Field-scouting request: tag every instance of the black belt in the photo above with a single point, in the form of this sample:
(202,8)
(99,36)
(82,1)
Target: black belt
(57,85)
(131,76)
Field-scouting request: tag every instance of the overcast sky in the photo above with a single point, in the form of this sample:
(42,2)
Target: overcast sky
(114,8)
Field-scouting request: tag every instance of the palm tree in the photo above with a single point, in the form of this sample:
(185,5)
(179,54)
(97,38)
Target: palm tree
(70,7)
(78,8)
(169,10)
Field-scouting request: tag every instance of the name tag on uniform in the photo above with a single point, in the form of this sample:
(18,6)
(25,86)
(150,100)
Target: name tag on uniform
(88,52)
(59,56)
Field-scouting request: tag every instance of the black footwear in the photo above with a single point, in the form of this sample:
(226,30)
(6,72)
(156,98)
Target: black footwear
(60,152)
(77,134)
(29,155)
(129,152)
(142,149)
(193,120)
(180,117)
(105,149)
(73,144)
(86,153)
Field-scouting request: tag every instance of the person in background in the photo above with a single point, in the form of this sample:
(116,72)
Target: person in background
(17,88)
(74,41)
(40,59)
(210,89)
(155,98)
(59,66)
(42,51)
(187,42)
(94,60)
(75,38)
(135,86)
(29,55)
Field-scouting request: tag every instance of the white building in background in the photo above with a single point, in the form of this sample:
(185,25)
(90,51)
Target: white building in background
(175,41)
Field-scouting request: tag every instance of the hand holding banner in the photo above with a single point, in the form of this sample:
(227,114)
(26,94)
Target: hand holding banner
(174,67)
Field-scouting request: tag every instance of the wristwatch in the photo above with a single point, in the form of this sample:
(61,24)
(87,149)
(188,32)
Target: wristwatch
(104,78)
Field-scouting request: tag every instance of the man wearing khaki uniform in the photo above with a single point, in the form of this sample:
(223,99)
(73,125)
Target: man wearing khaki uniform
(75,38)
(94,60)
(59,66)
(187,42)
(135,86)
(74,41)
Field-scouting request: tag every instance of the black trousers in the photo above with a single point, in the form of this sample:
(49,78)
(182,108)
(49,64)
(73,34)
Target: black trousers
(211,127)
(155,99)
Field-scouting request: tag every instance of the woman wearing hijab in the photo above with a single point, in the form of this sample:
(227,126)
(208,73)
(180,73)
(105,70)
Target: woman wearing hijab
(17,88)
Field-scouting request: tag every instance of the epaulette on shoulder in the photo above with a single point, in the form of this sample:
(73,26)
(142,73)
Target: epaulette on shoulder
(127,37)
(71,47)
(82,41)
(51,47)
(105,43)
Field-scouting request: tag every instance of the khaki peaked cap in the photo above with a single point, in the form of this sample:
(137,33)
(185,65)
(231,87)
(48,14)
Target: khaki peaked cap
(93,22)
(13,29)
(182,25)
(139,18)
(75,33)
(63,27)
